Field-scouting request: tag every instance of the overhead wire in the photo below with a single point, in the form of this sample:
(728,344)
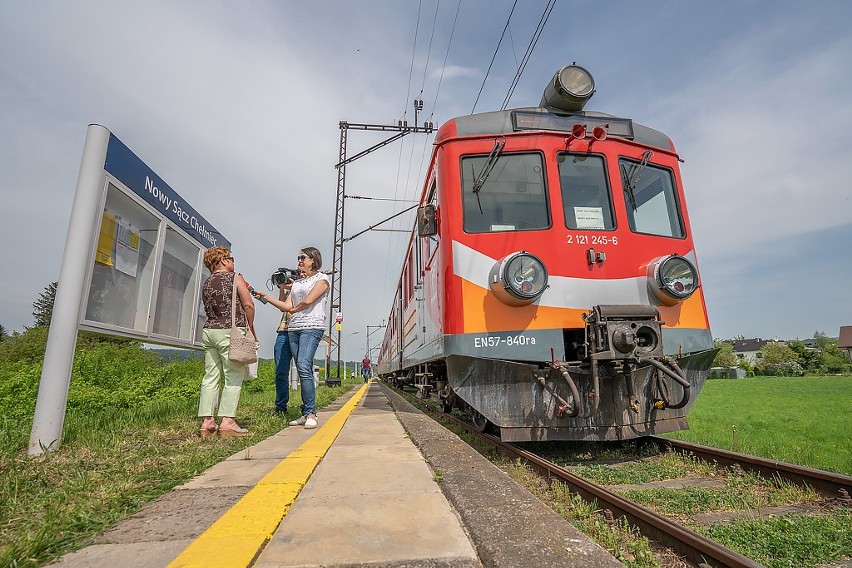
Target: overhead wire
(404,115)
(411,68)
(493,57)
(395,243)
(429,50)
(548,9)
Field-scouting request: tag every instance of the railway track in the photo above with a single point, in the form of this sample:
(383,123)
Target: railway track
(692,547)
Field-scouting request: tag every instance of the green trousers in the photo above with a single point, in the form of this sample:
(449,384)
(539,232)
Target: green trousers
(219,369)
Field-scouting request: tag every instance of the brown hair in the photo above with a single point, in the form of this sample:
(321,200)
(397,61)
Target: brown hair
(315,255)
(215,255)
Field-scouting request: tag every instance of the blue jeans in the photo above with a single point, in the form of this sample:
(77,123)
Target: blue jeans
(282,355)
(303,344)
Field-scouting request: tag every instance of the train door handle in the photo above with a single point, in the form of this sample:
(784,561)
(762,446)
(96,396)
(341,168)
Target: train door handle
(595,257)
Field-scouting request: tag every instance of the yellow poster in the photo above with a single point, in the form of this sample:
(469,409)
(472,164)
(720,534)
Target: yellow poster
(106,239)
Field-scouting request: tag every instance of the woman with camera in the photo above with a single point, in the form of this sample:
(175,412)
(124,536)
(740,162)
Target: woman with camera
(307,308)
(217,296)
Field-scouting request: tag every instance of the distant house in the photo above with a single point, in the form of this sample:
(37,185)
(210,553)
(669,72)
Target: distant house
(844,341)
(748,348)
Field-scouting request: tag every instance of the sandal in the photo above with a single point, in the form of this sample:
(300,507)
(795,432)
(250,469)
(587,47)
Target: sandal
(204,432)
(233,432)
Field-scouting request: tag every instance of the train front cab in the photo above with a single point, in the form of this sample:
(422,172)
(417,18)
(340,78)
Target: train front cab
(611,340)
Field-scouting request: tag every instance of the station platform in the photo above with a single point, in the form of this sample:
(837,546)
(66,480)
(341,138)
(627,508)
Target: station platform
(376,484)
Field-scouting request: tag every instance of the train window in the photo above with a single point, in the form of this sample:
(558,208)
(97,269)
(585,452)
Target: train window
(585,192)
(652,204)
(512,198)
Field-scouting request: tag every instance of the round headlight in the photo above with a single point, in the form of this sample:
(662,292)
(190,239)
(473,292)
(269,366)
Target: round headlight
(576,81)
(569,90)
(672,279)
(518,279)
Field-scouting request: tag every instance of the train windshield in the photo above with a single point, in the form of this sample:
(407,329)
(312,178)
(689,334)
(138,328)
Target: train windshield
(652,205)
(585,192)
(513,196)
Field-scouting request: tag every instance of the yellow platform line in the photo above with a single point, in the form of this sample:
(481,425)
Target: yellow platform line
(239,535)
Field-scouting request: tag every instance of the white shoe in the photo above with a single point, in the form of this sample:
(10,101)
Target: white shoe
(310,423)
(301,421)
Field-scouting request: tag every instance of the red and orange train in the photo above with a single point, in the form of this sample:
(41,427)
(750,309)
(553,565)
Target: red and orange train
(550,287)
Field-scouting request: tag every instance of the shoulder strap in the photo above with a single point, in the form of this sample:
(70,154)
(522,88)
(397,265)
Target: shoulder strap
(234,302)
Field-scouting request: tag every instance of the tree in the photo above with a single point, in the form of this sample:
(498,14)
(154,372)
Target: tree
(831,359)
(811,359)
(43,307)
(3,333)
(726,356)
(777,359)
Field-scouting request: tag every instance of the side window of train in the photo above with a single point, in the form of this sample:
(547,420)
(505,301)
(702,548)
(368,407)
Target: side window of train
(585,192)
(651,199)
(508,194)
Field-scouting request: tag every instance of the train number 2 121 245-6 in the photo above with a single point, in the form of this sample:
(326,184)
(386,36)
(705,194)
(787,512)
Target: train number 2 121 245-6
(591,239)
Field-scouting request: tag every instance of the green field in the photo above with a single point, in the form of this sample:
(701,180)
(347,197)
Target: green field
(802,420)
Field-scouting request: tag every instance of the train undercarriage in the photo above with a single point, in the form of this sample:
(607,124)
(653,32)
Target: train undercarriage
(623,387)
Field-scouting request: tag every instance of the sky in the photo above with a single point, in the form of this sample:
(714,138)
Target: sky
(237,105)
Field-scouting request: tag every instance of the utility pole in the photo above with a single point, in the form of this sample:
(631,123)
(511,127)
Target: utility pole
(402,129)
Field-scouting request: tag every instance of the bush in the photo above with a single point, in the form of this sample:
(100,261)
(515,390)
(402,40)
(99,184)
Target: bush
(105,373)
(783,369)
(27,346)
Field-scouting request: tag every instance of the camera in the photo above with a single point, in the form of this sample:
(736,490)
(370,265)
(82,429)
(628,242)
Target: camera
(283,276)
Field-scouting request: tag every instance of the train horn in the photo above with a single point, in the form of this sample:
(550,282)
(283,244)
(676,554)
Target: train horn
(578,132)
(599,132)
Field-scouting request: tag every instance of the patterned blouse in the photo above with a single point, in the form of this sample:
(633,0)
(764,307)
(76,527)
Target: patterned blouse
(216,295)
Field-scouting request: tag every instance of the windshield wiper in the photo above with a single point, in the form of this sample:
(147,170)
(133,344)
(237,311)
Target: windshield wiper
(490,162)
(631,176)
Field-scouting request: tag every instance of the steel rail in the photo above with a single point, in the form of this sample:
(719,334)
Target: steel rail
(691,545)
(827,483)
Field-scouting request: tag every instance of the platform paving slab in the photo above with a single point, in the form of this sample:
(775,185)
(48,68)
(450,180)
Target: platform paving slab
(372,501)
(125,555)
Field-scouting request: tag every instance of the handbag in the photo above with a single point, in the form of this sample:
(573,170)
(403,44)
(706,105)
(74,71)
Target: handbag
(243,347)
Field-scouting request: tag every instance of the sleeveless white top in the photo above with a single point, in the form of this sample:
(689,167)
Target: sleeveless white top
(313,317)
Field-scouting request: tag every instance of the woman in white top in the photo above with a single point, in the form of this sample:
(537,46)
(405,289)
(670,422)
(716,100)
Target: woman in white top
(306,305)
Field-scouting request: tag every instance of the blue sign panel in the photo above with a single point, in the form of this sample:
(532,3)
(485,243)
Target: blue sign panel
(135,174)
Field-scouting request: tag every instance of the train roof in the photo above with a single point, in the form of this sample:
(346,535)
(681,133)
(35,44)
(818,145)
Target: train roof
(537,118)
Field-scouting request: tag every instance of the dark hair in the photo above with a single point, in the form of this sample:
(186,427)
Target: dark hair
(315,256)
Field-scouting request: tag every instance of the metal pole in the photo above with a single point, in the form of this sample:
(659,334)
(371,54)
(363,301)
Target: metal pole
(49,416)
(337,257)
(336,293)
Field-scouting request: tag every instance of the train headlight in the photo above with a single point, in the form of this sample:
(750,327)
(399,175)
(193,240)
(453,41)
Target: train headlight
(518,279)
(672,279)
(569,90)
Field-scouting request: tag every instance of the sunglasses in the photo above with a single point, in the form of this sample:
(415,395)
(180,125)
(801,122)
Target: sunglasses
(228,258)
(302,257)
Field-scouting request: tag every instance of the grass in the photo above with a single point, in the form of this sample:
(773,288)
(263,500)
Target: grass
(740,492)
(791,541)
(111,463)
(801,420)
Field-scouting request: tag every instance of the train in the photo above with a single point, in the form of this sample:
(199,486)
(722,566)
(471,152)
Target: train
(550,286)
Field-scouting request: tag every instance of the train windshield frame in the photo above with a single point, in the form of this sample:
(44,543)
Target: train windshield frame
(513,197)
(653,206)
(586,195)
